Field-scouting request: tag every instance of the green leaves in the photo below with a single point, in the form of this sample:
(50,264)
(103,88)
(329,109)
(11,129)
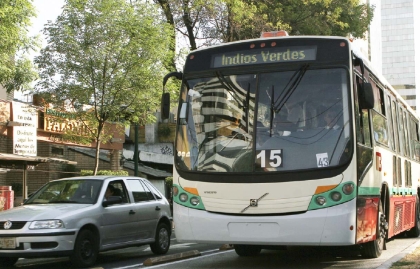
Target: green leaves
(16,71)
(105,53)
(105,60)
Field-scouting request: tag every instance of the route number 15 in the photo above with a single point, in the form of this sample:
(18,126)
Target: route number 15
(270,158)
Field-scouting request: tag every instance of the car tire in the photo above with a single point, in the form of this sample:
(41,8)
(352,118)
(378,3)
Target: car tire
(85,250)
(7,261)
(162,239)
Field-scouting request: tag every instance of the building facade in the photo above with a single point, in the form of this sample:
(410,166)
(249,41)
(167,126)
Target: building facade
(393,44)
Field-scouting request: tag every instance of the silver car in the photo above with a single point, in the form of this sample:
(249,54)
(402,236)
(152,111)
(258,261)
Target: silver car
(73,217)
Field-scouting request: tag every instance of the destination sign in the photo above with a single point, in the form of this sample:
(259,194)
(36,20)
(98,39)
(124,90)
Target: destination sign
(264,56)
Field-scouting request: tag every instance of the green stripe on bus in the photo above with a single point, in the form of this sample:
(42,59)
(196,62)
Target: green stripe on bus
(369,191)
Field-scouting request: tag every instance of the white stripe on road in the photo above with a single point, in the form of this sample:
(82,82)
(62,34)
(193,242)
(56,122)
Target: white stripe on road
(185,245)
(175,262)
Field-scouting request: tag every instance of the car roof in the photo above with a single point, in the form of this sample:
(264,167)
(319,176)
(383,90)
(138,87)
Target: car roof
(104,177)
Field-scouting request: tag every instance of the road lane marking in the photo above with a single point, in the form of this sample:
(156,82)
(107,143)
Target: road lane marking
(217,252)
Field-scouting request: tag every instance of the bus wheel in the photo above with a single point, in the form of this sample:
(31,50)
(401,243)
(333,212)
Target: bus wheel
(247,250)
(415,231)
(8,261)
(373,249)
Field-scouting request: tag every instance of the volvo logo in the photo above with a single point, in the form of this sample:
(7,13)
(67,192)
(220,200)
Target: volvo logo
(7,225)
(254,202)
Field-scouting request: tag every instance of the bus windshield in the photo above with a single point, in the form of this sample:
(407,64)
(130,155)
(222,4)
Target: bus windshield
(264,122)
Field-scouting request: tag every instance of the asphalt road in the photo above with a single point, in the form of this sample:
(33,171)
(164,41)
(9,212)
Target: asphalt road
(211,257)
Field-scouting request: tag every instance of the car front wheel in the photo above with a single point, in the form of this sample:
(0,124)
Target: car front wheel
(85,249)
(162,239)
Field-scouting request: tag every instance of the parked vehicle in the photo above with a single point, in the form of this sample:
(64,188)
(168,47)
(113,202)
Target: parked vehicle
(71,217)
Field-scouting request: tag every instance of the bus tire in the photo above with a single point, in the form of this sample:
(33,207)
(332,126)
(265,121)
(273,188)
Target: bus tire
(247,250)
(373,249)
(8,261)
(415,231)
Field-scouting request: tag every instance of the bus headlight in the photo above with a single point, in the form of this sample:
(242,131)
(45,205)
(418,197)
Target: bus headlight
(320,200)
(194,201)
(335,196)
(348,188)
(183,197)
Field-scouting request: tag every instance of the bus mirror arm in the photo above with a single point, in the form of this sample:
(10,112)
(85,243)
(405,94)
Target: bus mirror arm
(166,99)
(178,75)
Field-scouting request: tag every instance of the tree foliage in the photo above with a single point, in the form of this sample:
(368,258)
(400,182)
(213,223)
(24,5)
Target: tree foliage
(16,70)
(104,61)
(207,22)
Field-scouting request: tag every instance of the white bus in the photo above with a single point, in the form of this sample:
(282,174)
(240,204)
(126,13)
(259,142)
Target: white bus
(292,141)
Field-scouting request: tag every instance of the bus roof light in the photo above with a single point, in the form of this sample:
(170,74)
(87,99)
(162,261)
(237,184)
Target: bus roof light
(274,34)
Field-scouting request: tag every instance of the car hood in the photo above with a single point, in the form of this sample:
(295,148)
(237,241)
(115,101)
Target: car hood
(41,212)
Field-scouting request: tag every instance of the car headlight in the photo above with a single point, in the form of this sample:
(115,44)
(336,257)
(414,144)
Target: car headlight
(46,224)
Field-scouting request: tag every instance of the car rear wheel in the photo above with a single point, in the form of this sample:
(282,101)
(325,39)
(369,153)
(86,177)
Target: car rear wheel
(85,250)
(7,261)
(162,239)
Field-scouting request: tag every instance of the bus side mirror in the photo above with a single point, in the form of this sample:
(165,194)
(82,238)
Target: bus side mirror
(367,99)
(165,105)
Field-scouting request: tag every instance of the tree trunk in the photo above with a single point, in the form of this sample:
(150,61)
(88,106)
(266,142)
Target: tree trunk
(98,148)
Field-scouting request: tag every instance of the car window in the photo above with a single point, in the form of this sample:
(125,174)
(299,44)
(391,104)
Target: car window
(152,188)
(140,192)
(67,191)
(119,189)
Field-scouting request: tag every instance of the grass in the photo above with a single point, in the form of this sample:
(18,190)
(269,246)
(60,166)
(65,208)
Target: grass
(411,261)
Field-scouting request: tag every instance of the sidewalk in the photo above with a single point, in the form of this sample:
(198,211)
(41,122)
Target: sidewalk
(409,258)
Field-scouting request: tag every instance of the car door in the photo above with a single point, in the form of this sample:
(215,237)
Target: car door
(146,208)
(118,222)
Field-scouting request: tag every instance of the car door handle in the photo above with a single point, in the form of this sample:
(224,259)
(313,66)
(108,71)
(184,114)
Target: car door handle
(157,208)
(132,212)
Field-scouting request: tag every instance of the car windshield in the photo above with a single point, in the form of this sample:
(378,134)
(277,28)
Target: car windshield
(67,191)
(274,121)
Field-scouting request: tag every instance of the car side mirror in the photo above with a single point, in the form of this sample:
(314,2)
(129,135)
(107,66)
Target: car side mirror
(112,200)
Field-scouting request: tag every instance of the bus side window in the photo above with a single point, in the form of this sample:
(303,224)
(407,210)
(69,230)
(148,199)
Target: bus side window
(390,117)
(401,130)
(395,125)
(415,141)
(379,120)
(363,135)
(366,129)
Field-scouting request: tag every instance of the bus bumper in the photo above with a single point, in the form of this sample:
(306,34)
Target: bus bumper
(324,227)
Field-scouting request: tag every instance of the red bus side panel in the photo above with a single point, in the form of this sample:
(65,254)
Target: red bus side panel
(401,214)
(367,218)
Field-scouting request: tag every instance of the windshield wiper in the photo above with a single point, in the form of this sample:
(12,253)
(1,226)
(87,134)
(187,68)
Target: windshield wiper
(288,90)
(63,202)
(228,86)
(291,86)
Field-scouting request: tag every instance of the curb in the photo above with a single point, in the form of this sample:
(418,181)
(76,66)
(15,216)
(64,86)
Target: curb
(172,257)
(226,247)
(387,264)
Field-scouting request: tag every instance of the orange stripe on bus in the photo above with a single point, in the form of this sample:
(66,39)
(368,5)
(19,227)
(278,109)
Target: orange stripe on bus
(321,189)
